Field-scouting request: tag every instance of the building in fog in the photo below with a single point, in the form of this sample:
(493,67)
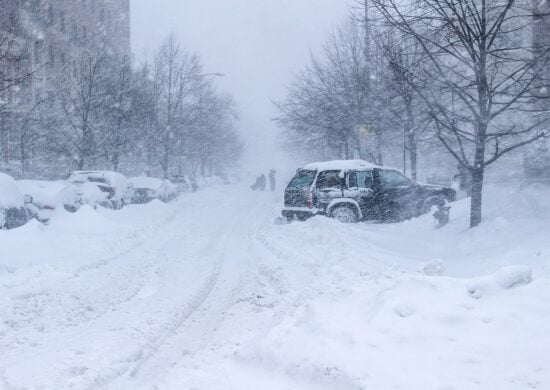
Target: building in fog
(541,38)
(54,33)
(51,36)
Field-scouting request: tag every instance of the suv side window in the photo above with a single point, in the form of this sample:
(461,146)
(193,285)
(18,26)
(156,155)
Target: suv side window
(328,179)
(389,179)
(360,179)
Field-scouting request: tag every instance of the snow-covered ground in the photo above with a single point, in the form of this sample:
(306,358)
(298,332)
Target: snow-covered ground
(208,292)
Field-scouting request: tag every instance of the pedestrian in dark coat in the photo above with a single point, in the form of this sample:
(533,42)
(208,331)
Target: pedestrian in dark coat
(263,182)
(272,180)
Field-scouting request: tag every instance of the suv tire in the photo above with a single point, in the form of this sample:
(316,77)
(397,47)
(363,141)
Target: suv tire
(344,214)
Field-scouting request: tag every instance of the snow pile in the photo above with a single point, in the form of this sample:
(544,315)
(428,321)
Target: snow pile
(10,195)
(414,332)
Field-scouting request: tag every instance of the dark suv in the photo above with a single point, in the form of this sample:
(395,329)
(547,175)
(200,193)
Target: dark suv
(352,191)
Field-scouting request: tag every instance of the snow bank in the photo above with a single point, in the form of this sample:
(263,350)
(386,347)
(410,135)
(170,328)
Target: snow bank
(10,195)
(414,333)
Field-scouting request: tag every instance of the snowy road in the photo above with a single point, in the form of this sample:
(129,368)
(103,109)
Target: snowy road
(209,293)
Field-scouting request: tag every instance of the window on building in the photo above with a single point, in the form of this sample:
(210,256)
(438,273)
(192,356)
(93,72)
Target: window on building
(38,52)
(51,99)
(50,19)
(62,21)
(52,57)
(35,7)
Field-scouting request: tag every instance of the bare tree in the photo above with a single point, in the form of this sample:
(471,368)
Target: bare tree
(82,96)
(176,73)
(120,110)
(477,79)
(404,58)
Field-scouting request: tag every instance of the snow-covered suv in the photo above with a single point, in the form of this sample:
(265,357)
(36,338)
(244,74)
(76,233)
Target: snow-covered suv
(355,190)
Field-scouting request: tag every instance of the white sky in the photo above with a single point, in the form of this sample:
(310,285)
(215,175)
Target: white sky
(258,44)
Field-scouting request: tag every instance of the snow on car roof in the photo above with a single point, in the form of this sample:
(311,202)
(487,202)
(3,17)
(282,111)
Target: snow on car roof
(113,178)
(10,195)
(340,165)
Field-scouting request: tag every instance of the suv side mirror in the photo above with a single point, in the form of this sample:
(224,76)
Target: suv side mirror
(28,199)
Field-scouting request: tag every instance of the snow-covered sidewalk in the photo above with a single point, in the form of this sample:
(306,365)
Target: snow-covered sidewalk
(209,293)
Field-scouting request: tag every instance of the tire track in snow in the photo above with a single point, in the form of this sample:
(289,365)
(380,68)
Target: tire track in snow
(202,301)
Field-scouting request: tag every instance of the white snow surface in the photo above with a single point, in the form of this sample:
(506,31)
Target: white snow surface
(10,195)
(208,292)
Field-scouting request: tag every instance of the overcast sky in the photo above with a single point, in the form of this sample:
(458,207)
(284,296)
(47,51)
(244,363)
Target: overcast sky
(258,44)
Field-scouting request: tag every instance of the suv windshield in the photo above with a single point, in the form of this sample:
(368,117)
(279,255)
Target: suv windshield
(302,180)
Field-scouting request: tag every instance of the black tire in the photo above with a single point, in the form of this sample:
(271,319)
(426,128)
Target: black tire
(344,214)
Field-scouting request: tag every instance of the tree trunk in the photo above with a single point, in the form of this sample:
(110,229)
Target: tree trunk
(413,155)
(477,195)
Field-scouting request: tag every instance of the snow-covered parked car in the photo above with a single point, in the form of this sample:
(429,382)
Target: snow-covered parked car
(50,195)
(103,188)
(145,189)
(13,204)
(355,190)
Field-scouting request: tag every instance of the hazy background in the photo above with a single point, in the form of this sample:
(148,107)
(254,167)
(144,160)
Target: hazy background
(258,44)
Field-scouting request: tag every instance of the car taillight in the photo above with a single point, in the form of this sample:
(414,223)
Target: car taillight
(309,200)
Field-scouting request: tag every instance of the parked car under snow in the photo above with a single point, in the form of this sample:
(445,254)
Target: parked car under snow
(13,204)
(104,188)
(145,189)
(49,195)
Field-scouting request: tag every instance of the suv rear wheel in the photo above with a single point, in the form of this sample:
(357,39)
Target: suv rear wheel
(344,214)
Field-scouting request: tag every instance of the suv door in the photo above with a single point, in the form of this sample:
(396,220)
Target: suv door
(395,194)
(360,188)
(327,187)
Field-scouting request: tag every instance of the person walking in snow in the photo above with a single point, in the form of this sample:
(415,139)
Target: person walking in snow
(272,181)
(263,182)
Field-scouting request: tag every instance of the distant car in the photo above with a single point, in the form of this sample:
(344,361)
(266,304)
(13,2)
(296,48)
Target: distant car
(103,188)
(49,195)
(183,183)
(355,190)
(145,189)
(13,204)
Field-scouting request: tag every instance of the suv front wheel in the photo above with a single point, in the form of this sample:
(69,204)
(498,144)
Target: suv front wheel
(343,214)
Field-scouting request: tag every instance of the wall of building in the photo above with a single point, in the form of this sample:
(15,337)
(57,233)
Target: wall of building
(52,36)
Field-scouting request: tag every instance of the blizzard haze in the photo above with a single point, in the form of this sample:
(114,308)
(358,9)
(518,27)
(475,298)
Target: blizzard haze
(258,44)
